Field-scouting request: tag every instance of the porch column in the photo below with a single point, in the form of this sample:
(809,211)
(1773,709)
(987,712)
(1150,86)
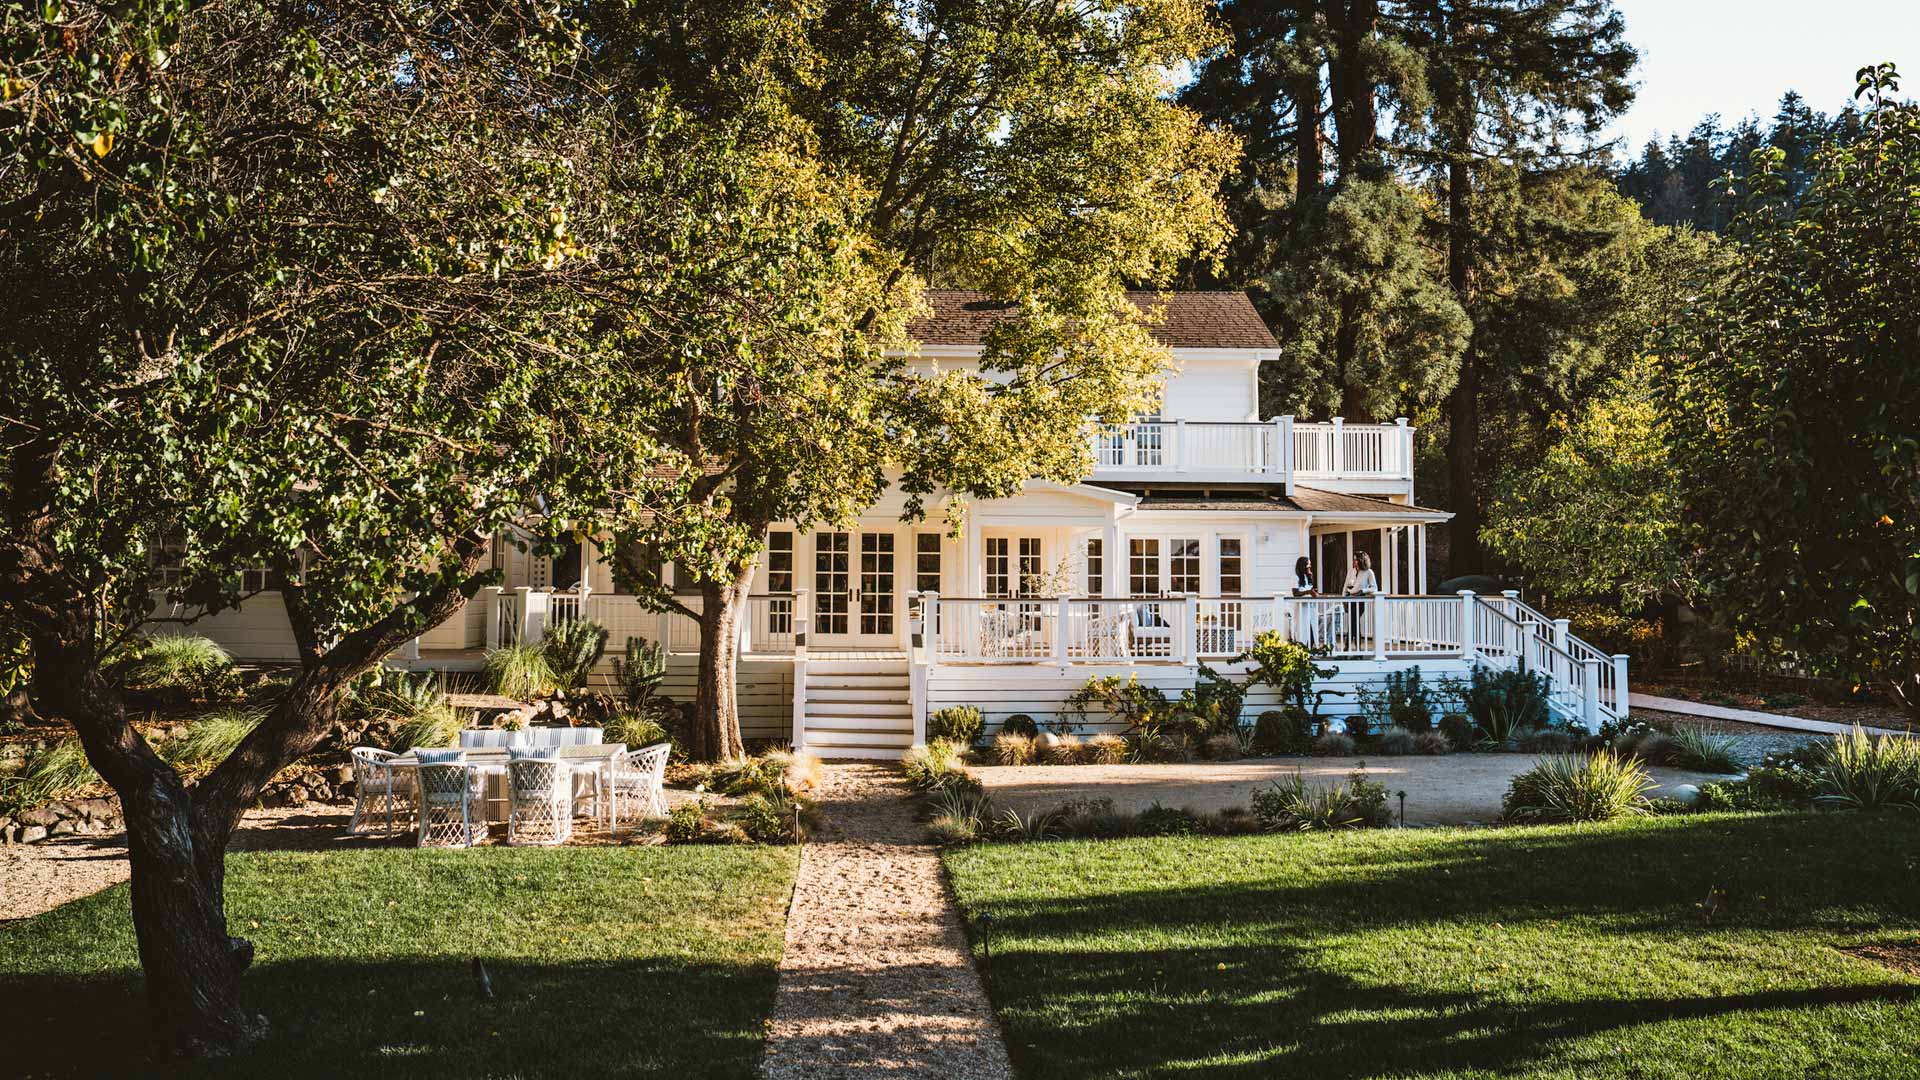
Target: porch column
(1339,446)
(1112,559)
(1420,558)
(971,576)
(1466,624)
(1385,576)
(1620,684)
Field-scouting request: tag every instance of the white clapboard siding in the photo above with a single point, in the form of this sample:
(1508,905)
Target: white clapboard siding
(765,690)
(256,630)
(1041,692)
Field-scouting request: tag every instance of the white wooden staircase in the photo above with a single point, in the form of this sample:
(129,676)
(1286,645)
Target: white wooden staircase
(857,709)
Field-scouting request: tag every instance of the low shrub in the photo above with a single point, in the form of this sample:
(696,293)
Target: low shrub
(1293,805)
(1701,750)
(937,765)
(1012,748)
(1158,820)
(1104,750)
(520,672)
(687,822)
(195,667)
(959,815)
(1279,731)
(1333,744)
(947,829)
(1866,772)
(1020,724)
(1223,747)
(1357,727)
(440,725)
(1060,750)
(1458,729)
(959,724)
(1545,741)
(1432,742)
(1406,701)
(1570,787)
(1095,818)
(772,817)
(1396,740)
(1645,742)
(1505,701)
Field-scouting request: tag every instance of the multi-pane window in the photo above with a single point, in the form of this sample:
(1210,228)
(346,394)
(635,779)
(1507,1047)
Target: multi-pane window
(1183,566)
(1030,568)
(832,581)
(1229,566)
(926,563)
(780,561)
(169,560)
(876,583)
(999,568)
(1149,442)
(256,579)
(1143,566)
(1096,567)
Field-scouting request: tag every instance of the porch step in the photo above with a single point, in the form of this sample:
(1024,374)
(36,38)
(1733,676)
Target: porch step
(893,684)
(887,710)
(856,753)
(896,668)
(894,740)
(892,724)
(872,694)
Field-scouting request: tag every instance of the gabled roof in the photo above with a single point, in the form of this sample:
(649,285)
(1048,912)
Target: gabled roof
(1193,320)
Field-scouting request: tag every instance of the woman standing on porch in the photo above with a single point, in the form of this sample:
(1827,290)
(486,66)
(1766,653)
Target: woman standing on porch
(1362,582)
(1303,583)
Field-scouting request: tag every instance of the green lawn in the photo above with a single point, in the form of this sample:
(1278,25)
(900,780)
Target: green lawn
(605,962)
(1538,952)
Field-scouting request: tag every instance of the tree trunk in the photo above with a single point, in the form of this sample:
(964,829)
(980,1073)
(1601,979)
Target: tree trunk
(192,967)
(1350,84)
(716,705)
(1463,406)
(1308,172)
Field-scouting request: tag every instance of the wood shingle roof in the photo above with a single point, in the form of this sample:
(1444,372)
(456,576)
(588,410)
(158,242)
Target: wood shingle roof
(1193,320)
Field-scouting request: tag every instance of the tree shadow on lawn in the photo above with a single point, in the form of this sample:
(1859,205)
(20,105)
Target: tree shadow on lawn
(1084,988)
(419,1017)
(1280,1016)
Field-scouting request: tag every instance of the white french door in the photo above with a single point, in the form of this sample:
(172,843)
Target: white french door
(856,595)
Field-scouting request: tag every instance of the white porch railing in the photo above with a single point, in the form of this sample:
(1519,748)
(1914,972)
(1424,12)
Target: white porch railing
(1343,451)
(1584,684)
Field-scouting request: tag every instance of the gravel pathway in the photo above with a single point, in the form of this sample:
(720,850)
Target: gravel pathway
(877,979)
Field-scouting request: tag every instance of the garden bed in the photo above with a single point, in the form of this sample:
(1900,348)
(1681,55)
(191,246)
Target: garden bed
(1671,946)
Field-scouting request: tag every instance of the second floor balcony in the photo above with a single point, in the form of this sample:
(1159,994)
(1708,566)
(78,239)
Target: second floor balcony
(1363,458)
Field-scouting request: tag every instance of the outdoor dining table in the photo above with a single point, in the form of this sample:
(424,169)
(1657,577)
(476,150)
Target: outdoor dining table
(491,762)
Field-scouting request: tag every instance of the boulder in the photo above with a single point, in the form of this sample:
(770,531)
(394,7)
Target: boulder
(41,816)
(64,828)
(32,834)
(1686,794)
(98,809)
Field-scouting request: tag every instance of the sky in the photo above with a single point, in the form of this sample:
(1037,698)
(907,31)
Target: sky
(1736,57)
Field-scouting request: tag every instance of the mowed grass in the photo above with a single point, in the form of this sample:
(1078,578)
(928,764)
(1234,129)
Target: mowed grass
(604,961)
(1576,951)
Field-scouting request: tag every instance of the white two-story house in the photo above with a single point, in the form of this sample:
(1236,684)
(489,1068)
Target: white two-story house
(1178,549)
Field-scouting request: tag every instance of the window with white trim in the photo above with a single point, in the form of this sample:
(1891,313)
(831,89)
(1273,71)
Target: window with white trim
(926,562)
(1183,565)
(1030,565)
(1096,563)
(1143,566)
(1230,566)
(999,567)
(780,561)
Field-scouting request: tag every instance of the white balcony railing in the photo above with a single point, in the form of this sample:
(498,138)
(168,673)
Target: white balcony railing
(1272,450)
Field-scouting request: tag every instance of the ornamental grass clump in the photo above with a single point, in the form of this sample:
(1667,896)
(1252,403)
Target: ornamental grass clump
(1104,750)
(1865,772)
(208,740)
(196,667)
(1570,787)
(1011,748)
(58,772)
(520,672)
(1060,750)
(937,765)
(1701,750)
(1293,805)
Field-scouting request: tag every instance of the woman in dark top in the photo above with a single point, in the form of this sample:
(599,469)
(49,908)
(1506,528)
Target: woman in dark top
(1303,583)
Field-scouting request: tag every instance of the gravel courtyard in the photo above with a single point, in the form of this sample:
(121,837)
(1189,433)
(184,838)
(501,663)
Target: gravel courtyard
(1452,789)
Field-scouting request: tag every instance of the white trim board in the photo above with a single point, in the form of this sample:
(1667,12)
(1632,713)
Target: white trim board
(1746,716)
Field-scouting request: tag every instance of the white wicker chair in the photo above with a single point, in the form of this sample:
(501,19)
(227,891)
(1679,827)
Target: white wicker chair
(540,801)
(639,788)
(448,796)
(380,791)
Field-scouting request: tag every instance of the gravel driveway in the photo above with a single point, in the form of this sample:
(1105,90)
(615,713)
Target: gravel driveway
(1451,789)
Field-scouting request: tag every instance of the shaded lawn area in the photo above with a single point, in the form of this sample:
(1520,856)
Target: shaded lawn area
(611,961)
(1572,951)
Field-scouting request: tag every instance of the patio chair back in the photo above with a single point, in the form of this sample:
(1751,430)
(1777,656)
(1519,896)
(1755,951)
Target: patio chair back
(447,796)
(380,791)
(639,783)
(540,801)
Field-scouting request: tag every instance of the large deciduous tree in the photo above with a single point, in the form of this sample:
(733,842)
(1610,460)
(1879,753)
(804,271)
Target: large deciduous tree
(1026,148)
(1796,411)
(284,284)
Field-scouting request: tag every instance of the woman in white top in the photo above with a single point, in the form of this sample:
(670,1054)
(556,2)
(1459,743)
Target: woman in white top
(1362,582)
(1303,583)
